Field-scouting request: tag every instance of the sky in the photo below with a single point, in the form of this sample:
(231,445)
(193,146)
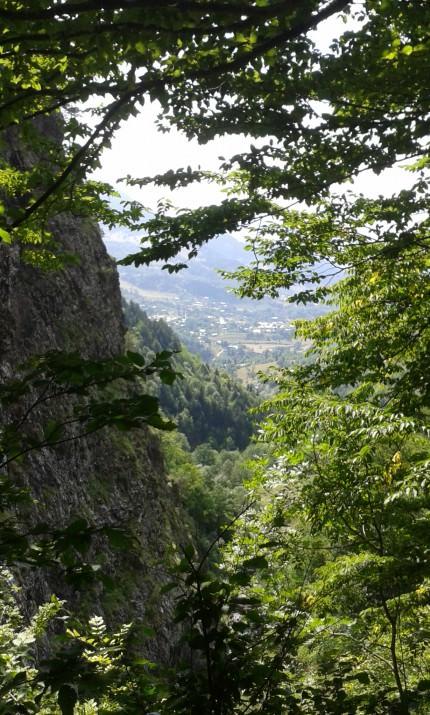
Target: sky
(140,150)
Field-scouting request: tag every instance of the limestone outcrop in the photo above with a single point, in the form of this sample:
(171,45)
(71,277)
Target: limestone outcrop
(108,477)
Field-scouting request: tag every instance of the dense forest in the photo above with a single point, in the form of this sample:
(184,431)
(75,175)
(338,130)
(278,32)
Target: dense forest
(208,456)
(207,405)
(294,569)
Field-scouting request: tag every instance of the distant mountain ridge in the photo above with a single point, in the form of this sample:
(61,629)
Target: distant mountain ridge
(203,310)
(198,280)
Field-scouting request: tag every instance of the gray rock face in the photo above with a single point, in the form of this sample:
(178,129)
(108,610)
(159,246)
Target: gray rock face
(109,477)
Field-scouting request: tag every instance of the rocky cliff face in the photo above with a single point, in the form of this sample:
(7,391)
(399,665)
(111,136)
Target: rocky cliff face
(108,477)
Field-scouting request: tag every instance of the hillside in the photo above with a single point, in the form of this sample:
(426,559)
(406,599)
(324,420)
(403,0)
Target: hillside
(207,404)
(149,570)
(238,335)
(97,480)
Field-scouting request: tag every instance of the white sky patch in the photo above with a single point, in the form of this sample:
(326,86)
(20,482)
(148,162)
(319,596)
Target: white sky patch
(139,149)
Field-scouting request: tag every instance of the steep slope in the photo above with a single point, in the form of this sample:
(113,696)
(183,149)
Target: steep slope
(107,477)
(207,404)
(200,279)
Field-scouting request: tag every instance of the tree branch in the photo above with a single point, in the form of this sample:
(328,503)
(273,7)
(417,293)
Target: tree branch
(74,8)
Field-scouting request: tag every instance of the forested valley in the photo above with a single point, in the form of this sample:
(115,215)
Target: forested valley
(174,542)
(207,455)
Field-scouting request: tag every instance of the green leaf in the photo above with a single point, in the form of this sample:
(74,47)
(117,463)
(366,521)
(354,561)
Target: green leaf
(67,699)
(118,538)
(5,236)
(168,587)
(241,578)
(256,562)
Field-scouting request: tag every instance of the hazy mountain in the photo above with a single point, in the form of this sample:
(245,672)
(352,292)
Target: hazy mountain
(200,279)
(236,334)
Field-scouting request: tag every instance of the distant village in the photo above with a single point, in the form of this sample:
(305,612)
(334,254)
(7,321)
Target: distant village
(205,321)
(223,333)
